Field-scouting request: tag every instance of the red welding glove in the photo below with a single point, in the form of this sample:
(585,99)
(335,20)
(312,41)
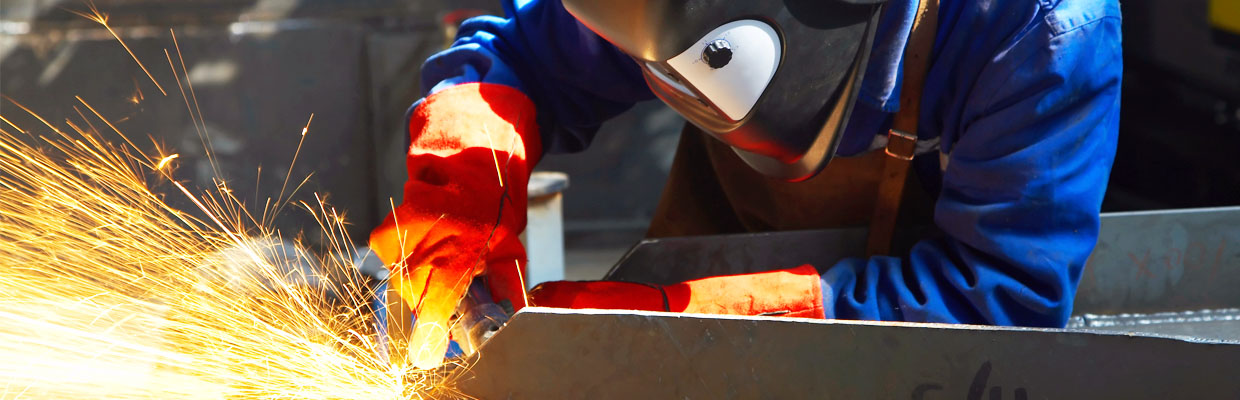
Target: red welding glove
(473,146)
(792,292)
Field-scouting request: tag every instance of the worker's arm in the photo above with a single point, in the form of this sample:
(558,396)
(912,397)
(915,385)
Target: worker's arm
(575,79)
(1029,117)
(507,90)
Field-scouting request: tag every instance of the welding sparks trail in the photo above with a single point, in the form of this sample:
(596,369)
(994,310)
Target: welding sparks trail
(108,292)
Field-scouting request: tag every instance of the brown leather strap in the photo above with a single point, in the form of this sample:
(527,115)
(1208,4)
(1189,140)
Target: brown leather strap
(902,139)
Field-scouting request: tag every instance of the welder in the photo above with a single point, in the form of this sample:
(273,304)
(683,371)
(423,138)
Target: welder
(993,122)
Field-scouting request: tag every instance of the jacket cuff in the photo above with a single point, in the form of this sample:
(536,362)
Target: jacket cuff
(828,297)
(793,292)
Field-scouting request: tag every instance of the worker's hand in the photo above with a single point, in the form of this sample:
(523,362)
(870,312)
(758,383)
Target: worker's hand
(792,292)
(444,250)
(464,207)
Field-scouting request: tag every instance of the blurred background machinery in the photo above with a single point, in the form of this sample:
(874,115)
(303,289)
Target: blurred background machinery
(1180,111)
(260,67)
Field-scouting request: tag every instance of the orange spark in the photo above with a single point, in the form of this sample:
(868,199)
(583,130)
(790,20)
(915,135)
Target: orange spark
(495,157)
(203,135)
(306,128)
(6,120)
(525,297)
(102,19)
(164,161)
(32,113)
(280,199)
(137,96)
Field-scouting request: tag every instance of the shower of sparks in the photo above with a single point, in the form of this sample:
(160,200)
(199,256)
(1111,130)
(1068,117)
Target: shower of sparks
(106,291)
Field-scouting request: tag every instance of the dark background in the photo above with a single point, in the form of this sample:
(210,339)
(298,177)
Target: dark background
(260,68)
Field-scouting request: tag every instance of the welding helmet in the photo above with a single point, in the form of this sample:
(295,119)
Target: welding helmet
(775,80)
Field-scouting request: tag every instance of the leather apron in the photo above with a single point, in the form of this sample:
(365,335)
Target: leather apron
(710,190)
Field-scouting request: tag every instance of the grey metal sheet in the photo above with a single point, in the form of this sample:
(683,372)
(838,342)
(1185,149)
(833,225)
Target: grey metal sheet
(548,353)
(1169,260)
(1201,324)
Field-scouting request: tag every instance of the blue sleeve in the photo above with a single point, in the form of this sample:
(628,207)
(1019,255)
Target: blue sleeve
(1026,105)
(576,79)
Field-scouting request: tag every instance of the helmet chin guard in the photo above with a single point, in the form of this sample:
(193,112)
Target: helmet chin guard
(775,80)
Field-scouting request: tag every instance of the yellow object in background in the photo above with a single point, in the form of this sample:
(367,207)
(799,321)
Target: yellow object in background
(1225,15)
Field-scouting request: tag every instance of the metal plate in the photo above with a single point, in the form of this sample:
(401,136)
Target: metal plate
(552,353)
(1201,324)
(1171,260)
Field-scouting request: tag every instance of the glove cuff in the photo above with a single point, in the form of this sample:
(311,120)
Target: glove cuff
(795,292)
(792,292)
(484,115)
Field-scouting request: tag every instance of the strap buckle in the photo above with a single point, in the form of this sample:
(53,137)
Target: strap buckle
(901,145)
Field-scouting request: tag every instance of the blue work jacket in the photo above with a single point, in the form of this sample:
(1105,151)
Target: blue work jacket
(1022,97)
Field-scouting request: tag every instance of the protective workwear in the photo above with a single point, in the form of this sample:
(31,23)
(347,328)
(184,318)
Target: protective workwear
(1019,121)
(787,293)
(464,206)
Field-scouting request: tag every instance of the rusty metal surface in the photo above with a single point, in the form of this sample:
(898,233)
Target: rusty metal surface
(548,353)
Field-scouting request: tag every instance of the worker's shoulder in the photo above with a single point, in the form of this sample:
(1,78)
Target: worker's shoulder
(1015,19)
(1063,16)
